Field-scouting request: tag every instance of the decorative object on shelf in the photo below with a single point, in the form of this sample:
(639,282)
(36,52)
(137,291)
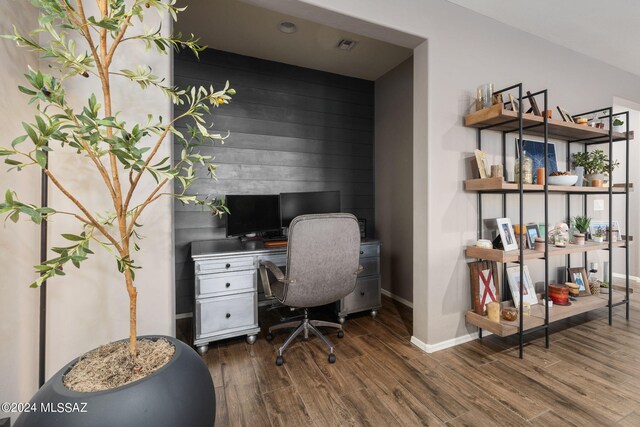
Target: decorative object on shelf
(493,311)
(521,237)
(482,163)
(484,243)
(528,289)
(559,294)
(527,169)
(510,314)
(526,309)
(618,124)
(574,289)
(579,172)
(533,233)
(598,237)
(549,114)
(597,183)
(514,104)
(485,287)
(582,121)
(581,223)
(534,105)
(549,303)
(496,171)
(564,114)
(559,234)
(484,96)
(579,276)
(497,99)
(539,244)
(506,234)
(595,164)
(562,178)
(600,228)
(535,149)
(540,176)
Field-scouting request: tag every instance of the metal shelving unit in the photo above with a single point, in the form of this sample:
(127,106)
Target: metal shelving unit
(496,118)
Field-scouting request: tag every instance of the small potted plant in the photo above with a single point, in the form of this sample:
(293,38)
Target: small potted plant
(618,124)
(598,236)
(581,224)
(595,164)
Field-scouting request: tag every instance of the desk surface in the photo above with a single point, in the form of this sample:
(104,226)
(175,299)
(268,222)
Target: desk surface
(222,247)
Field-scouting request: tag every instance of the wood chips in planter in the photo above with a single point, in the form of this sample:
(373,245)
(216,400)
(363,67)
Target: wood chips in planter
(110,366)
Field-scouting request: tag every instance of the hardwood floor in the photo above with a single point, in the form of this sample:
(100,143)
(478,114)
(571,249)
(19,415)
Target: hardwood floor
(589,376)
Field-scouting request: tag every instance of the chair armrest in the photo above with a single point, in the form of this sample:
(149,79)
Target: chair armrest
(264,265)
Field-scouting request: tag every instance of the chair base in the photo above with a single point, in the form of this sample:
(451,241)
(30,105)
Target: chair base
(305,326)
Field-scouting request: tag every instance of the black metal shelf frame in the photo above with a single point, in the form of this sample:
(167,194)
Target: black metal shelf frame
(585,143)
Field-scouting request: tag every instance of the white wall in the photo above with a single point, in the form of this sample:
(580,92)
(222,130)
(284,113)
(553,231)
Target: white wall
(19,243)
(464,50)
(394,178)
(87,307)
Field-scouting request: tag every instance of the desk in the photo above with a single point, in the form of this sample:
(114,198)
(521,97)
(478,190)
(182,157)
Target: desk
(226,287)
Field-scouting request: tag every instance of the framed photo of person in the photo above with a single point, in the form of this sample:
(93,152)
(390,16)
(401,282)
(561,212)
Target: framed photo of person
(532,232)
(507,236)
(528,289)
(485,285)
(579,276)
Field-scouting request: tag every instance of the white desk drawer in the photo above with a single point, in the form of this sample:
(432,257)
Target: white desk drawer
(225,264)
(369,250)
(217,315)
(365,295)
(225,283)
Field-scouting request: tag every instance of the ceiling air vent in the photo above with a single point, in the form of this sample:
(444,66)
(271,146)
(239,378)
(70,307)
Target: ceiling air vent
(346,44)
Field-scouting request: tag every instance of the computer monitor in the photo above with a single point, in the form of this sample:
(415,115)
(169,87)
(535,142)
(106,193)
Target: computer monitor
(252,214)
(294,204)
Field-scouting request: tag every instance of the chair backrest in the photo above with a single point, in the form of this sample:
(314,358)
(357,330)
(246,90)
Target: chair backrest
(322,259)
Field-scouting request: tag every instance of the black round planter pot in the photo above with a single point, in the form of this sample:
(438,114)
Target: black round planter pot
(181,393)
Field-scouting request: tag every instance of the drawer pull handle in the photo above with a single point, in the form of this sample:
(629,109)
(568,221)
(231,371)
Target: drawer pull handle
(228,315)
(227,266)
(361,252)
(227,285)
(362,293)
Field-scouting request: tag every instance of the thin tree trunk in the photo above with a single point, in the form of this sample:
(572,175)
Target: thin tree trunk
(133,297)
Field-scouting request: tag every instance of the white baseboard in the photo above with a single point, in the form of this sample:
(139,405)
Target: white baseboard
(396,298)
(631,278)
(432,348)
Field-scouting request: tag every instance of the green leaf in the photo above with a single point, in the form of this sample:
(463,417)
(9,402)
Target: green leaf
(25,90)
(15,216)
(8,197)
(73,237)
(18,140)
(41,158)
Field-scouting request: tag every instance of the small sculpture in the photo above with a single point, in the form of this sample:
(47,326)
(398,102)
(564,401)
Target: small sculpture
(559,235)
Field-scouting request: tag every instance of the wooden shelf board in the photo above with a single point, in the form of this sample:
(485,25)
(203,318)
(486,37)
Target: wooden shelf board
(557,312)
(499,255)
(499,185)
(497,115)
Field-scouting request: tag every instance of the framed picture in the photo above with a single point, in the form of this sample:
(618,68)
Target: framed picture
(507,236)
(528,289)
(565,115)
(534,105)
(535,150)
(362,223)
(514,104)
(485,285)
(601,227)
(497,99)
(579,276)
(532,232)
(483,164)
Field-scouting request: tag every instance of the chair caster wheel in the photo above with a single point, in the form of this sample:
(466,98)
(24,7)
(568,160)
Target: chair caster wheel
(332,358)
(269,337)
(340,333)
(279,360)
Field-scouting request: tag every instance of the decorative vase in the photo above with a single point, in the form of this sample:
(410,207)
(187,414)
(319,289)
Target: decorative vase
(596,176)
(598,239)
(580,174)
(619,128)
(578,238)
(180,393)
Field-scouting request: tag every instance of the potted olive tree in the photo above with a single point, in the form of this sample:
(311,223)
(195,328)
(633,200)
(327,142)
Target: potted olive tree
(76,43)
(595,164)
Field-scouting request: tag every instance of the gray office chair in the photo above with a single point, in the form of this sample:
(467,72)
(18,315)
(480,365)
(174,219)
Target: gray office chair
(322,267)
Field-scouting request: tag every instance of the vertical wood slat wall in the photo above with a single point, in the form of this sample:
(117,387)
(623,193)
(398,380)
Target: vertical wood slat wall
(292,129)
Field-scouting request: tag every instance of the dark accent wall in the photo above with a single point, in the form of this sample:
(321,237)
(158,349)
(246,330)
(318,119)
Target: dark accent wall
(292,129)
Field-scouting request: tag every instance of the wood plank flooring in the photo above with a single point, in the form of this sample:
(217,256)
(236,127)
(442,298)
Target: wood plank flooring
(589,376)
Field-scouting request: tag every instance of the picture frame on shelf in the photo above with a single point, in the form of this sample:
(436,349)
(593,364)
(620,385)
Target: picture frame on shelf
(497,99)
(528,288)
(484,168)
(579,276)
(514,104)
(602,226)
(535,150)
(565,115)
(534,105)
(485,285)
(507,235)
(532,233)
